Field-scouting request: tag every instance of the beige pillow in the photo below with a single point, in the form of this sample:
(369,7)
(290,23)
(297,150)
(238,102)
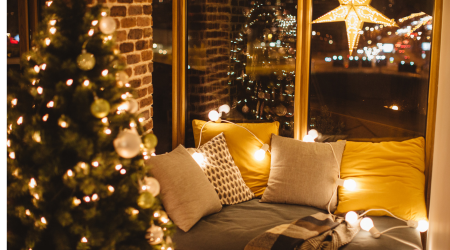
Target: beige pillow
(303,173)
(186,193)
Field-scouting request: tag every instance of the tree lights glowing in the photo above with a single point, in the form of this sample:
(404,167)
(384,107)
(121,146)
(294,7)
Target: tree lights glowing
(355,13)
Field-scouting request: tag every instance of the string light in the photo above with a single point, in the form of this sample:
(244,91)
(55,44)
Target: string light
(76,201)
(69,82)
(94,23)
(105,72)
(118,167)
(50,104)
(27,212)
(14,101)
(43,220)
(123,171)
(95,164)
(94,197)
(127,85)
(40,90)
(135,212)
(34,82)
(69,173)
(111,188)
(87,199)
(36,196)
(84,240)
(37,136)
(8,143)
(132,125)
(32,183)
(52,22)
(141,119)
(105,120)
(37,69)
(45,117)
(49,3)
(47,41)
(86,83)
(20,120)
(43,66)
(108,131)
(91,32)
(103,13)
(28,58)
(52,30)
(12,155)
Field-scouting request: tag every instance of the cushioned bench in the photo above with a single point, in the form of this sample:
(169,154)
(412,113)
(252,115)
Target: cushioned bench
(234,226)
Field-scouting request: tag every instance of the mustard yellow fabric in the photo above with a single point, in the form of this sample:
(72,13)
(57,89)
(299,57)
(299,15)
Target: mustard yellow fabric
(242,146)
(389,175)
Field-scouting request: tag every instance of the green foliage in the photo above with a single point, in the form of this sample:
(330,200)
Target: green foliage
(63,179)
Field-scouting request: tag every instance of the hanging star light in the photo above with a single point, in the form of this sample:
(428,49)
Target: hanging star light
(355,13)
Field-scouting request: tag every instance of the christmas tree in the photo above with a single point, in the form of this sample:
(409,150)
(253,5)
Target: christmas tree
(76,147)
(264,74)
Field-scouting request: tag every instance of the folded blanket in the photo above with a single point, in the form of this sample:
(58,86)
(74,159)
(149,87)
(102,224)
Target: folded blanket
(317,231)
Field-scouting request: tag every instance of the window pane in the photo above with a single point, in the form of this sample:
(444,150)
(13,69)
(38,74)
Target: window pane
(241,53)
(162,74)
(380,88)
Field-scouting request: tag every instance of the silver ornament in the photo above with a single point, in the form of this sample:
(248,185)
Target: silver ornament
(133,106)
(107,25)
(154,235)
(127,143)
(150,184)
(121,78)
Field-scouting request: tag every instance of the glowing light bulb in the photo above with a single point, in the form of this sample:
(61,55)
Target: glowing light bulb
(8,143)
(86,83)
(27,212)
(91,32)
(394,107)
(84,240)
(95,164)
(199,158)
(105,72)
(141,119)
(47,41)
(14,101)
(261,153)
(308,138)
(69,82)
(350,185)
(12,155)
(224,108)
(313,133)
(52,30)
(50,104)
(105,119)
(69,173)
(366,224)
(76,201)
(20,120)
(45,117)
(52,22)
(108,131)
(95,197)
(87,199)
(135,212)
(423,226)
(103,13)
(213,115)
(43,66)
(123,171)
(111,188)
(351,217)
(36,196)
(118,167)
(49,3)
(94,23)
(37,69)
(43,220)
(32,183)
(40,90)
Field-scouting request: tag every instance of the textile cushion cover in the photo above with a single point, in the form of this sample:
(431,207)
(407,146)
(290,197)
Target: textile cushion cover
(186,193)
(389,175)
(242,146)
(303,173)
(223,173)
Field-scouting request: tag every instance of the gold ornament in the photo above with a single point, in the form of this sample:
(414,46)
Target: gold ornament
(150,140)
(146,200)
(100,108)
(85,61)
(355,13)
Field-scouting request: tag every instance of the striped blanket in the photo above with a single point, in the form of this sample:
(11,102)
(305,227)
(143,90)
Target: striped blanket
(317,231)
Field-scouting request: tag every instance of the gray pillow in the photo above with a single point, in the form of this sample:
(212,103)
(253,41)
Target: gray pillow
(303,173)
(186,193)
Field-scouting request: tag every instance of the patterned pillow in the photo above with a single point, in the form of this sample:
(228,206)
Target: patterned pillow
(222,172)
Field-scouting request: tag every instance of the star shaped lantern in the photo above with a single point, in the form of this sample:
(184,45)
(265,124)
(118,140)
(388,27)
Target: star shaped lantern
(355,13)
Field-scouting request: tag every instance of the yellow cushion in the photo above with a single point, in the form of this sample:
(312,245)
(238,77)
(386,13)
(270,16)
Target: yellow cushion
(242,146)
(389,175)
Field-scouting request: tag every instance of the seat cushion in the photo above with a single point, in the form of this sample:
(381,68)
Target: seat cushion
(242,146)
(234,226)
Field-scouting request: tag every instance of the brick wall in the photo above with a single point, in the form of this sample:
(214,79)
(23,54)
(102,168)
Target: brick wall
(134,38)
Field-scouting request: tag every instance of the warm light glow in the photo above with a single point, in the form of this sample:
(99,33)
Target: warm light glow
(43,220)
(127,85)
(199,158)
(366,223)
(224,108)
(12,155)
(27,212)
(84,240)
(105,72)
(47,41)
(313,133)
(308,138)
(32,183)
(132,124)
(76,201)
(37,69)
(8,143)
(52,30)
(111,188)
(50,104)
(118,167)
(40,90)
(49,3)
(103,13)
(94,23)
(86,83)
(123,171)
(52,22)
(135,212)
(14,101)
(350,185)
(45,117)
(355,13)
(105,119)
(394,107)
(43,66)
(36,196)
(213,115)
(260,155)
(351,217)
(91,32)
(20,120)
(95,197)
(95,164)
(108,131)
(87,199)
(37,136)
(69,82)
(423,226)
(69,173)
(141,119)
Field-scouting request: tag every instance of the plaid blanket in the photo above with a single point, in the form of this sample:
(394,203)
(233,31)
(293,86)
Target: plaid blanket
(318,231)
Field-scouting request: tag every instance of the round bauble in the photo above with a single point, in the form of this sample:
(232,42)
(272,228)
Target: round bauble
(161,216)
(100,108)
(85,61)
(121,78)
(245,109)
(150,184)
(289,89)
(133,106)
(154,235)
(127,143)
(281,110)
(146,200)
(150,140)
(107,25)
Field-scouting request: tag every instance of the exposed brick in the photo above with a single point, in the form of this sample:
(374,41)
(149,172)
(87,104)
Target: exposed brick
(132,59)
(124,1)
(148,125)
(146,101)
(126,47)
(118,11)
(142,44)
(140,1)
(150,67)
(147,55)
(148,32)
(144,21)
(135,83)
(121,36)
(128,22)
(117,23)
(134,10)
(146,80)
(129,71)
(150,89)
(135,34)
(147,9)
(145,114)
(142,92)
(139,70)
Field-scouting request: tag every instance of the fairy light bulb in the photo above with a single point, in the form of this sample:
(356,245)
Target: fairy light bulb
(37,69)
(36,196)
(118,167)
(111,188)
(351,217)
(50,104)
(52,30)
(348,184)
(43,66)
(91,32)
(32,183)
(76,201)
(123,171)
(86,83)
(20,120)
(421,226)
(105,120)
(313,133)
(213,115)
(308,138)
(40,90)
(103,13)
(84,240)
(199,158)
(94,23)
(108,131)
(49,3)
(95,164)
(43,220)
(135,212)
(261,153)
(87,199)
(45,117)
(69,82)
(141,119)
(224,108)
(69,173)
(37,136)
(27,212)
(47,41)
(95,197)
(8,143)
(367,225)
(12,155)
(14,101)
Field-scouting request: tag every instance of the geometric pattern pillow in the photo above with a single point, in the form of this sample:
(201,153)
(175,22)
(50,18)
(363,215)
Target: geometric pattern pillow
(223,173)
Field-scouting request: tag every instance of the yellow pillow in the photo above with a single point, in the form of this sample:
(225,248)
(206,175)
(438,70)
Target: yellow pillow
(242,146)
(389,175)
